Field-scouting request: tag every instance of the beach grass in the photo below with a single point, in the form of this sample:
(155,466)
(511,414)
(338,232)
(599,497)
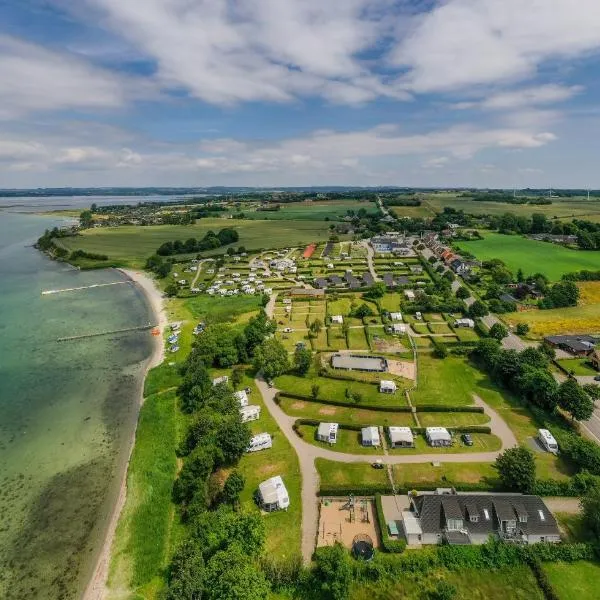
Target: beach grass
(141,545)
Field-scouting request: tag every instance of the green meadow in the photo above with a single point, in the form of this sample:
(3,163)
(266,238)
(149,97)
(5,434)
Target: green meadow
(132,245)
(313,211)
(518,252)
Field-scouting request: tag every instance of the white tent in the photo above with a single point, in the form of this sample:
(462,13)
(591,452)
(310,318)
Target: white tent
(262,441)
(250,413)
(273,495)
(387,386)
(241,397)
(401,437)
(438,436)
(327,432)
(370,436)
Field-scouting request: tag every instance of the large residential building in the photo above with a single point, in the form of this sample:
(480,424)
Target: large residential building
(578,345)
(446,516)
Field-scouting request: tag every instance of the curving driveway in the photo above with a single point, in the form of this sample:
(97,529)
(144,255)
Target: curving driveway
(307,453)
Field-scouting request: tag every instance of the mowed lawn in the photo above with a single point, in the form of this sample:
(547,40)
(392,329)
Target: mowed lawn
(133,245)
(532,257)
(575,581)
(313,211)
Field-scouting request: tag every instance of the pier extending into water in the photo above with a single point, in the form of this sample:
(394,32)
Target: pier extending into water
(84,287)
(72,338)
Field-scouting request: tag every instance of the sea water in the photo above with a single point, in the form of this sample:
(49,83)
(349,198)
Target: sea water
(67,412)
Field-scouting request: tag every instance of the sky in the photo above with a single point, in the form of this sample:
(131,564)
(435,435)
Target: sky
(436,93)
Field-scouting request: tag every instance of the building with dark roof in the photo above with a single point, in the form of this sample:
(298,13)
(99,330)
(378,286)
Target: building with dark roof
(402,280)
(456,518)
(578,345)
(321,283)
(335,280)
(368,279)
(388,279)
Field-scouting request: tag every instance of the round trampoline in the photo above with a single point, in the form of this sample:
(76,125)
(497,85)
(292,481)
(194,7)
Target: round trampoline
(362,547)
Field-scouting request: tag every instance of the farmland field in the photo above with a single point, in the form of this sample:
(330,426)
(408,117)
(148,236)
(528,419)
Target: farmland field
(531,256)
(313,211)
(133,245)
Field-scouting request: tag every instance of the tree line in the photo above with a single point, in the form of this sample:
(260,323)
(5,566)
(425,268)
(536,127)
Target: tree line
(210,241)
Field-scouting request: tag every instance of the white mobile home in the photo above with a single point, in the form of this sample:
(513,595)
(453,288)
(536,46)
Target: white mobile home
(469,323)
(337,319)
(401,437)
(241,397)
(438,436)
(220,380)
(250,413)
(410,294)
(327,432)
(396,316)
(370,436)
(262,441)
(547,440)
(273,495)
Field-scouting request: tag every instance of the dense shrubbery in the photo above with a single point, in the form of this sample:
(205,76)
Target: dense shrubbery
(210,241)
(89,255)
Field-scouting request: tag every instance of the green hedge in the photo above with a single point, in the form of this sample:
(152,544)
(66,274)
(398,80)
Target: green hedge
(576,486)
(403,409)
(416,430)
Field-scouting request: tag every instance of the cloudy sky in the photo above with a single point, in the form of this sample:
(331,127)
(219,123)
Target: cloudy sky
(490,93)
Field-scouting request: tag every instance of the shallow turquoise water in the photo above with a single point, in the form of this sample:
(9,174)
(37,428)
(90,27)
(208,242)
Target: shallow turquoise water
(67,412)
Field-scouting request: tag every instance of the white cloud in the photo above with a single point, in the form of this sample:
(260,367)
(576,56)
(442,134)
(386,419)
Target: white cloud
(258,50)
(35,79)
(462,43)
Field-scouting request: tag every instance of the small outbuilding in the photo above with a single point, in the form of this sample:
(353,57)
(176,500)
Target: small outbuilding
(438,437)
(337,319)
(370,436)
(327,432)
(401,437)
(273,495)
(250,413)
(387,386)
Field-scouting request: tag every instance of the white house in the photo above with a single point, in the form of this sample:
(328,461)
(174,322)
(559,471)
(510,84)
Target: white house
(241,397)
(262,441)
(220,380)
(273,495)
(387,386)
(547,440)
(250,413)
(469,323)
(337,319)
(401,437)
(438,436)
(396,316)
(410,295)
(370,436)
(327,432)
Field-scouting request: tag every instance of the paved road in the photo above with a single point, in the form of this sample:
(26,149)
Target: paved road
(370,256)
(511,341)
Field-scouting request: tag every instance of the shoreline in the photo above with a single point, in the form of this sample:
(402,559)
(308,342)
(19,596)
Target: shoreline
(96,587)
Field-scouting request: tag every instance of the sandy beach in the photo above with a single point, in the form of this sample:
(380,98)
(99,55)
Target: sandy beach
(96,588)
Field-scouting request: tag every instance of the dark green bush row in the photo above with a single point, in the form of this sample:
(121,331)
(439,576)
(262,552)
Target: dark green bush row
(345,490)
(576,486)
(543,580)
(416,430)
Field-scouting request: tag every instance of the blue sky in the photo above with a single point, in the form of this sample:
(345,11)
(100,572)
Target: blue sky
(488,93)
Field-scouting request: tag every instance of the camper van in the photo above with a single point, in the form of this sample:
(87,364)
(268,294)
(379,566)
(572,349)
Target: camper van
(547,441)
(262,441)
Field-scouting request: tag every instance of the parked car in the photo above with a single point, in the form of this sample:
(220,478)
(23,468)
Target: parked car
(378,464)
(467,439)
(597,378)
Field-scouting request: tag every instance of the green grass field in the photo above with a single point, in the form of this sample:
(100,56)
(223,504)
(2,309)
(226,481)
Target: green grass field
(353,414)
(578,366)
(531,256)
(141,545)
(133,245)
(282,527)
(313,211)
(575,581)
(470,584)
